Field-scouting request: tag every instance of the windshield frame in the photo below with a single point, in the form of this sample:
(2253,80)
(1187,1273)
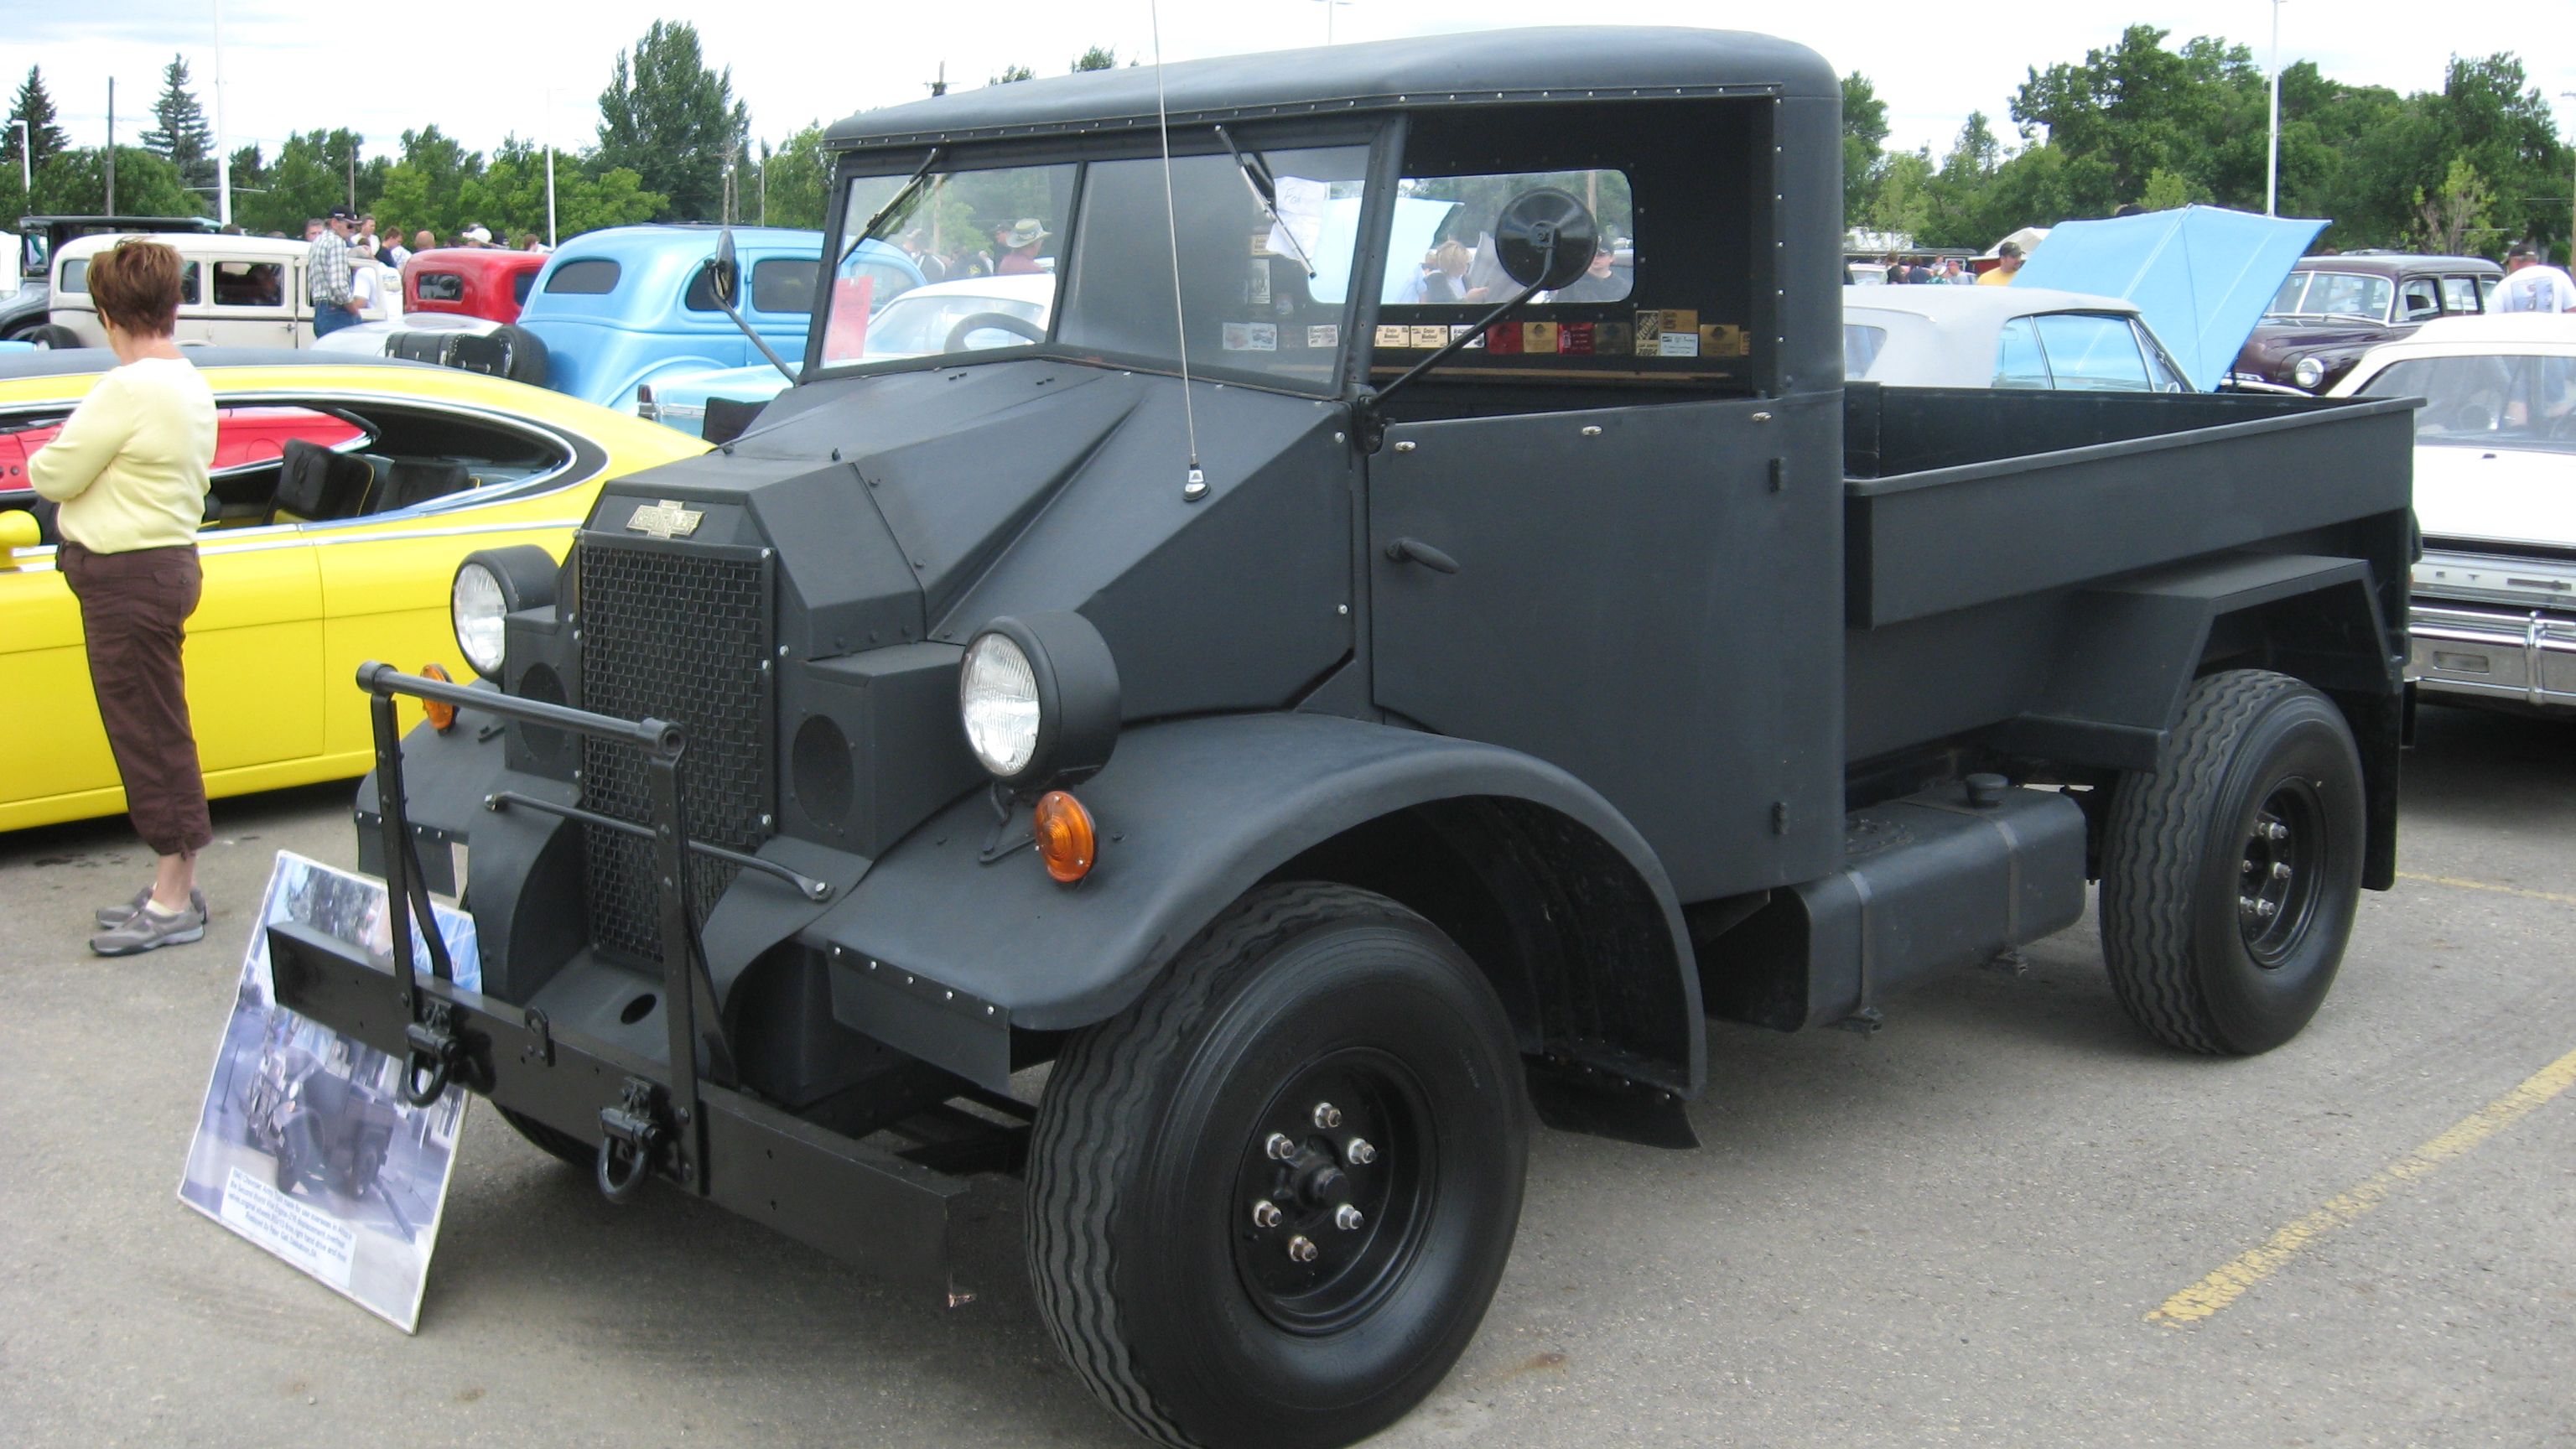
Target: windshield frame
(1381,134)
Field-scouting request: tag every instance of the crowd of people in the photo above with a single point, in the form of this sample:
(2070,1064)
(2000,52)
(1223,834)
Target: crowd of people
(353,271)
(1900,270)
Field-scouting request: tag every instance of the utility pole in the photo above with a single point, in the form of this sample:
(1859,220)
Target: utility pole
(26,163)
(111,145)
(2272,168)
(2571,205)
(353,175)
(939,87)
(223,158)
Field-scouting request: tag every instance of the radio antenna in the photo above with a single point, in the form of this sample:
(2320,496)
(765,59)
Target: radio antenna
(1194,487)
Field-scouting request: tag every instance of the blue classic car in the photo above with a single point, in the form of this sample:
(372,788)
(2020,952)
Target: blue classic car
(621,307)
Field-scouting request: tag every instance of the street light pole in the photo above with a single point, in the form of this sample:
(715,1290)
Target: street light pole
(26,164)
(223,158)
(2272,169)
(2571,196)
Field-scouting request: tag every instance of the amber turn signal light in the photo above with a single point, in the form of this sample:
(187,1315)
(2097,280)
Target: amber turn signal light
(1066,840)
(442,717)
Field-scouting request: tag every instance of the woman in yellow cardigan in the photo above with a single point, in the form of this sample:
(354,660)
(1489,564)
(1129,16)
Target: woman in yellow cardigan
(129,469)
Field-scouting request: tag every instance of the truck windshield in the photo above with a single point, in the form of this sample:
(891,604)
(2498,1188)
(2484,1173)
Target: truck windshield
(1259,297)
(2497,401)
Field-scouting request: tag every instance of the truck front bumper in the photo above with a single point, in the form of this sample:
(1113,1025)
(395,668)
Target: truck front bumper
(2475,652)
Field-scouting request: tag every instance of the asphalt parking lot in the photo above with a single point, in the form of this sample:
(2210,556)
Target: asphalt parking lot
(1971,1228)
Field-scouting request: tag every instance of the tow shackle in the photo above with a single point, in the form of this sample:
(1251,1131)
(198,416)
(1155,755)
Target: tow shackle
(630,1136)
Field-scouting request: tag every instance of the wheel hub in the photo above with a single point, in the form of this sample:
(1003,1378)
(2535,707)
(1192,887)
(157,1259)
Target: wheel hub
(2281,871)
(1330,1197)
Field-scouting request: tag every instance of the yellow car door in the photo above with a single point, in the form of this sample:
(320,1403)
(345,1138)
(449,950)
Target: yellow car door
(254,662)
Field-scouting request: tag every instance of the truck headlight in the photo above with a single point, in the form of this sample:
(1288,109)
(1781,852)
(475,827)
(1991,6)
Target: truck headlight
(491,585)
(2307,372)
(1038,696)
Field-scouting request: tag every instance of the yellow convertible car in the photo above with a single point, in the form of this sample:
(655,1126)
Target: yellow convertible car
(346,492)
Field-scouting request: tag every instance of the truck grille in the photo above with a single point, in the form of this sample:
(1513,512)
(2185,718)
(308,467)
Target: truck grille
(682,634)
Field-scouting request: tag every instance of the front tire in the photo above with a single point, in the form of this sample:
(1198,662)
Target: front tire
(51,337)
(2229,878)
(1270,1201)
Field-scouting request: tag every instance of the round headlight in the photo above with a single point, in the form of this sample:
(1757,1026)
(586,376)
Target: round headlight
(478,605)
(2308,372)
(491,585)
(997,693)
(1039,698)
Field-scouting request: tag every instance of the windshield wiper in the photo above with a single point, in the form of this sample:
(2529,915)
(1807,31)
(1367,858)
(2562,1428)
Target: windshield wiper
(1265,190)
(894,204)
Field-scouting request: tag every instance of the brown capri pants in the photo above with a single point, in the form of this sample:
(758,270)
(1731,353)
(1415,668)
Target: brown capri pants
(134,610)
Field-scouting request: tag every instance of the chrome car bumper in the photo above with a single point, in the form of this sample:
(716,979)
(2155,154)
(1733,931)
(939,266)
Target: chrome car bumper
(2523,655)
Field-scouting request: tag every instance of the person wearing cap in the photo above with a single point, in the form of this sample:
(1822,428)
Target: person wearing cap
(2532,286)
(129,468)
(478,236)
(1019,244)
(326,274)
(2007,262)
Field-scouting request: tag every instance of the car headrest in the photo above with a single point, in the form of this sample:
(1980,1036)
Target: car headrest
(315,482)
(418,480)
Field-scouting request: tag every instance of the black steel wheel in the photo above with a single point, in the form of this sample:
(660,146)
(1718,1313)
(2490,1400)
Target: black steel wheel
(584,1155)
(1270,1201)
(51,337)
(2229,878)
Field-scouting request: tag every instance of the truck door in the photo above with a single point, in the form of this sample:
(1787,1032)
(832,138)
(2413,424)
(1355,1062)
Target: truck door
(1635,601)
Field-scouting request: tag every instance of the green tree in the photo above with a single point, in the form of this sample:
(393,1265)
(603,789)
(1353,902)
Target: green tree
(1098,57)
(1864,132)
(314,172)
(180,135)
(74,182)
(672,121)
(2168,191)
(2137,107)
(2455,219)
(36,107)
(425,190)
(508,194)
(1012,73)
(800,179)
(1902,200)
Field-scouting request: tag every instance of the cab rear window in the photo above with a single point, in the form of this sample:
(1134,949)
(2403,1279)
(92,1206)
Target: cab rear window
(778,284)
(590,277)
(441,287)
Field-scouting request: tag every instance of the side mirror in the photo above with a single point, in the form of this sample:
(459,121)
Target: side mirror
(724,274)
(1545,238)
(18,529)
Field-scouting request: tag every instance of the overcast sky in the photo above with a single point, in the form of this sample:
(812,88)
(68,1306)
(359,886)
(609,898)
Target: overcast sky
(385,69)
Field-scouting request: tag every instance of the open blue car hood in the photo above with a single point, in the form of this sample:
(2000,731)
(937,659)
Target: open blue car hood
(2201,275)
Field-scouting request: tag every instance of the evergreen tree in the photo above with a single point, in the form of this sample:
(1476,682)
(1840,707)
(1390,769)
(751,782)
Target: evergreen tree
(673,122)
(1011,74)
(181,136)
(800,176)
(36,108)
(1864,132)
(1098,57)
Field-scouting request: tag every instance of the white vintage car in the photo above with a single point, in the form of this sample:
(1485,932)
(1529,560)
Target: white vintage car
(236,291)
(2495,494)
(2013,337)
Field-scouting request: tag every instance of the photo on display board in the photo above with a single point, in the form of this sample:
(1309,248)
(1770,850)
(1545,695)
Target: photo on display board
(305,1145)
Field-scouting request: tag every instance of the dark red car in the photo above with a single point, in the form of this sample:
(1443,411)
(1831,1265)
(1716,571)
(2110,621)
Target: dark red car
(2333,309)
(475,281)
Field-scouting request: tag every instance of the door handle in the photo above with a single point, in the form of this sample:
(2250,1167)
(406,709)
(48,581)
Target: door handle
(1414,550)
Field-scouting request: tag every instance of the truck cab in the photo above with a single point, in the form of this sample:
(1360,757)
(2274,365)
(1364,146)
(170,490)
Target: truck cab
(1418,626)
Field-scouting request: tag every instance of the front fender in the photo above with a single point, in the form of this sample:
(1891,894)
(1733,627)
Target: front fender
(1191,815)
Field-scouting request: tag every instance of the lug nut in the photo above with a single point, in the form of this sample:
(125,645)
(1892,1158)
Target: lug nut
(2266,909)
(2281,870)
(1265,1214)
(1359,1152)
(1327,1116)
(1279,1147)
(2275,830)
(1347,1218)
(1301,1249)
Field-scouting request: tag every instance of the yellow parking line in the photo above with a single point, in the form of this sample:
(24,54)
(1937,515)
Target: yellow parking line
(2231,1281)
(2479,885)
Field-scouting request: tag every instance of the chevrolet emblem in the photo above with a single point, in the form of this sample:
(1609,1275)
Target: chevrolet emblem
(666,519)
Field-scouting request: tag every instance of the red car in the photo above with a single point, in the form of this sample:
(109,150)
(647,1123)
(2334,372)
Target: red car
(475,281)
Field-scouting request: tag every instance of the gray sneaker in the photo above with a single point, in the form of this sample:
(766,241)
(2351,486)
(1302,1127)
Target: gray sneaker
(148,928)
(111,917)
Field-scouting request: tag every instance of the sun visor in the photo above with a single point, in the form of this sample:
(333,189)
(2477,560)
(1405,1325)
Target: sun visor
(2200,275)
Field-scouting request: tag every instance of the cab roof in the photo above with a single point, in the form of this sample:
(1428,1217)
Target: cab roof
(1569,63)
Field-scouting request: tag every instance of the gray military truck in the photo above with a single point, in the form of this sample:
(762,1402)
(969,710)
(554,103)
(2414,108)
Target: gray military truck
(1380,619)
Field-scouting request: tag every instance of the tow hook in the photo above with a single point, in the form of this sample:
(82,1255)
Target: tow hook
(433,1038)
(631,1130)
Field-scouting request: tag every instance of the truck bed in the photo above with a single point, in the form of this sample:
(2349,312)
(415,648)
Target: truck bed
(1955,497)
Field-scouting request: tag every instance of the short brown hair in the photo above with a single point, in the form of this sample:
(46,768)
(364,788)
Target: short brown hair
(136,286)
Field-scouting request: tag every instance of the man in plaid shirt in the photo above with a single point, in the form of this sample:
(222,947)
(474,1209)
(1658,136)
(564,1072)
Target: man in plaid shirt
(326,275)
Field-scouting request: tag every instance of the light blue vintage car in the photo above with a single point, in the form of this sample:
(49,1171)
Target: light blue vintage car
(622,307)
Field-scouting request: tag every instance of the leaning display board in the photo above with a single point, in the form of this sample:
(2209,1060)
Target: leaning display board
(306,1146)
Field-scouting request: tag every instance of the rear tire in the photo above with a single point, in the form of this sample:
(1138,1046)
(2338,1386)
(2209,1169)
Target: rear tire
(51,337)
(552,1142)
(2229,878)
(1165,1231)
